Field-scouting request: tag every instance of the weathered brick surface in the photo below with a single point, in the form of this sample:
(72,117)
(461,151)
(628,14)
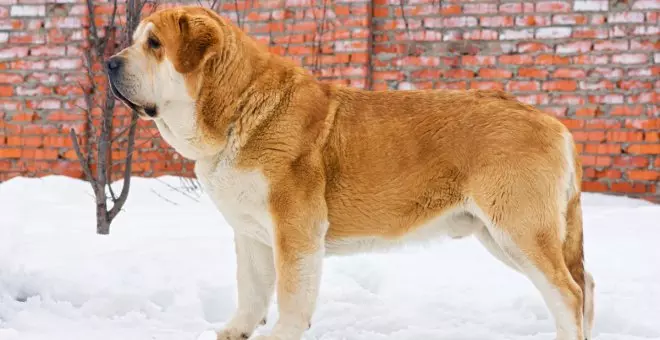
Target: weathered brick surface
(593,63)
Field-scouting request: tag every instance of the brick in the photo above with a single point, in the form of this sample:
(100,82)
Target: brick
(628,187)
(569,19)
(10,78)
(626,110)
(33,91)
(568,99)
(486,85)
(611,45)
(6,91)
(522,86)
(532,73)
(457,85)
(481,35)
(606,99)
(625,136)
(511,8)
(590,160)
(459,74)
(28,10)
(527,47)
(596,85)
(643,175)
(625,17)
(496,21)
(556,111)
(646,5)
(478,60)
(588,112)
(516,34)
(646,30)
(494,73)
(607,173)
(644,45)
(604,72)
(10,153)
(644,149)
(450,9)
(533,20)
(569,73)
(590,59)
(590,186)
(634,85)
(11,24)
(44,104)
(553,6)
(629,58)
(631,161)
(591,33)
(516,59)
(479,8)
(553,32)
(560,85)
(652,137)
(534,99)
(65,64)
(591,5)
(13,52)
(450,22)
(548,59)
(574,47)
(63,22)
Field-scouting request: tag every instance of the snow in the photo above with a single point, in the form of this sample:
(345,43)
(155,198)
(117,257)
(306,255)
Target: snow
(167,272)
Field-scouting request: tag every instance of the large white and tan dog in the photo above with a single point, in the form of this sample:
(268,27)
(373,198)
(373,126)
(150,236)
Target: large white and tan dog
(302,169)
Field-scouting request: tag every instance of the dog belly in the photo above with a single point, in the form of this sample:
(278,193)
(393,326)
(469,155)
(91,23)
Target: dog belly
(453,224)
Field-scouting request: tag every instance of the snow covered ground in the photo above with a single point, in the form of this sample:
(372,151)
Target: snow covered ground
(167,272)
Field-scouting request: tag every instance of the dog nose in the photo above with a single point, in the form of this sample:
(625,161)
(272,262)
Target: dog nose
(113,64)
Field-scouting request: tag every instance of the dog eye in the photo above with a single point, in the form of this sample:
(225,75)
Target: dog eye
(153,43)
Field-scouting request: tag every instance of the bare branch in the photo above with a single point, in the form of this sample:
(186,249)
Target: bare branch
(119,202)
(121,133)
(83,163)
(238,14)
(113,197)
(405,19)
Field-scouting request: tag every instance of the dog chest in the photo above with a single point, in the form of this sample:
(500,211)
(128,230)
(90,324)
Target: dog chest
(241,196)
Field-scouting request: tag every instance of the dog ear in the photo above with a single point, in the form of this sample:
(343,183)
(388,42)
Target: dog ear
(197,35)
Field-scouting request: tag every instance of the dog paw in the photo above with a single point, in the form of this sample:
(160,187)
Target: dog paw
(232,334)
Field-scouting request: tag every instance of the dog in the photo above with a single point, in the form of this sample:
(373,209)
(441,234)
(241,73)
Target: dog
(303,169)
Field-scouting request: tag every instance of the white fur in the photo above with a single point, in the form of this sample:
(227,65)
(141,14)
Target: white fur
(256,282)
(588,322)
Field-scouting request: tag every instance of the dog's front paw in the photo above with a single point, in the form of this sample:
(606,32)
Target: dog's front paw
(233,334)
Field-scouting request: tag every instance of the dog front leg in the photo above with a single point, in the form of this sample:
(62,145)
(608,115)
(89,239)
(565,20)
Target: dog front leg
(299,253)
(256,280)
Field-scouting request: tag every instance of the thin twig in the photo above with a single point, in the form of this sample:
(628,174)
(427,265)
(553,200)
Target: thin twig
(164,198)
(178,190)
(238,14)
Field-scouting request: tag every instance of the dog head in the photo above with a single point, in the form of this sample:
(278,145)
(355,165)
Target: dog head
(161,66)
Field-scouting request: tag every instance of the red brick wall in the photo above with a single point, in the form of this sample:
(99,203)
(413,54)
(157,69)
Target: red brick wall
(593,63)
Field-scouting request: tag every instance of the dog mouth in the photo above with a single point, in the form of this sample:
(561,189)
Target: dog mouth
(147,110)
